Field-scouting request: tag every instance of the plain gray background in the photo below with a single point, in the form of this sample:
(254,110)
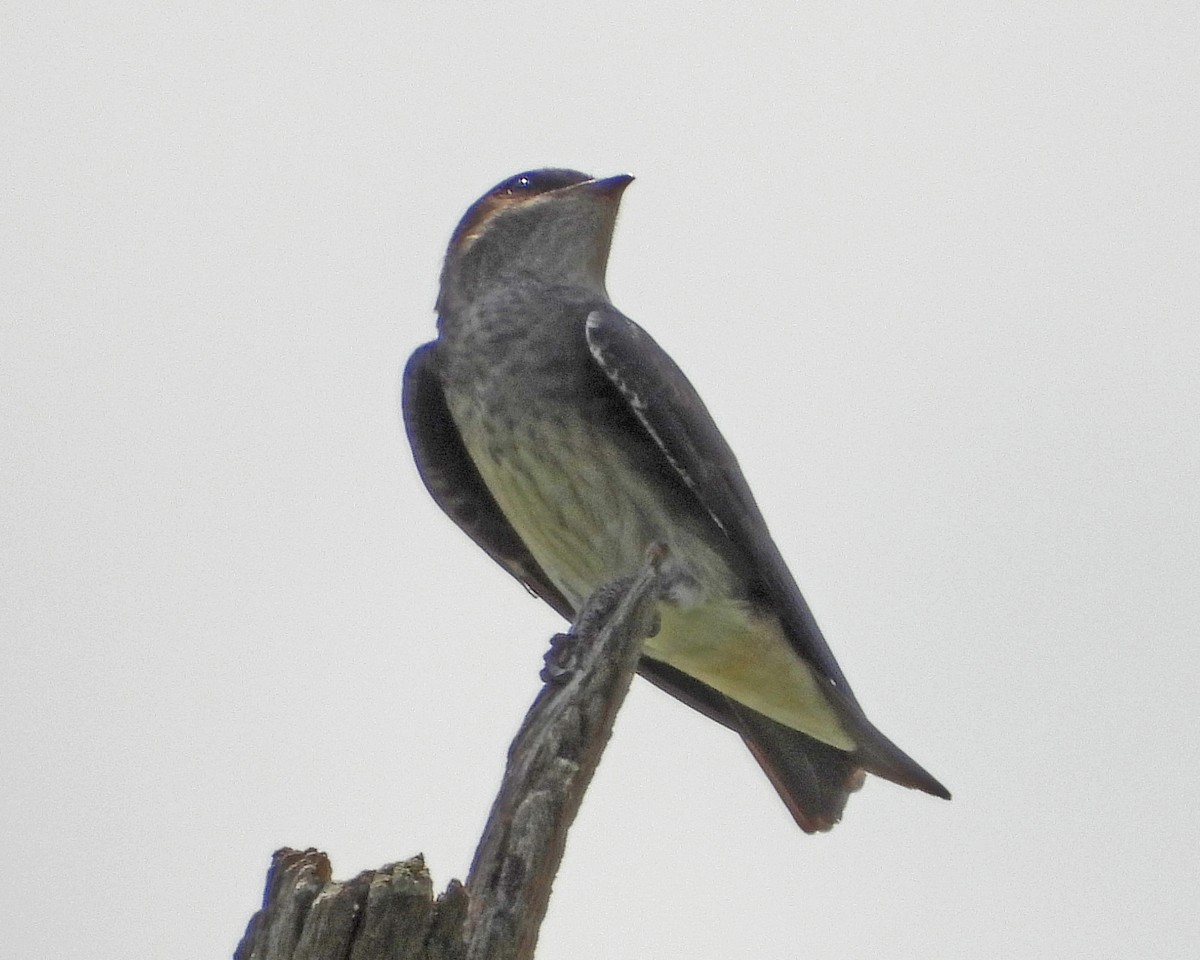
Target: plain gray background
(933,267)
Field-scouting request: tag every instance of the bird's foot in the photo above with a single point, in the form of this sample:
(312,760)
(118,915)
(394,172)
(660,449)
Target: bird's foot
(560,658)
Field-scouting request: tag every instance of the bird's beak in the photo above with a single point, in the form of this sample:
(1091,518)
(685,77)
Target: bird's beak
(610,187)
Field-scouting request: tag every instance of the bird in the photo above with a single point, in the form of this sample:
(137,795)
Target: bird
(564,441)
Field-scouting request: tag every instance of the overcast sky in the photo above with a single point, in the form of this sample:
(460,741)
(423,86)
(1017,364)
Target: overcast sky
(932,266)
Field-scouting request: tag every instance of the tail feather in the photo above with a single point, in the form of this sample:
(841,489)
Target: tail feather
(813,779)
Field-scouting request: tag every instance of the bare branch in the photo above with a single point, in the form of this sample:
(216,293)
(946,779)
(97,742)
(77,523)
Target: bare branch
(390,913)
(385,914)
(550,765)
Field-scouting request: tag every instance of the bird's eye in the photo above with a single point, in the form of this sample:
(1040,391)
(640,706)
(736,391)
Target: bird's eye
(517,185)
(533,183)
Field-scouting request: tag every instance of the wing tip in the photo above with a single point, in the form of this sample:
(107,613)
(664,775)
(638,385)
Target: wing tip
(888,762)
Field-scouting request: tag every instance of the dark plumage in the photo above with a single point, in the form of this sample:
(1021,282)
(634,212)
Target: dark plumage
(562,439)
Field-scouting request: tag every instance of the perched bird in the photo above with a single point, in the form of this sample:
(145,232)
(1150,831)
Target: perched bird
(564,441)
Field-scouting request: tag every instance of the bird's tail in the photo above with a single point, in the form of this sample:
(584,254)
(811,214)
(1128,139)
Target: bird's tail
(813,779)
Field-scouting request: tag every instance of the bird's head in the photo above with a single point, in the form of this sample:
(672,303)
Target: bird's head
(554,226)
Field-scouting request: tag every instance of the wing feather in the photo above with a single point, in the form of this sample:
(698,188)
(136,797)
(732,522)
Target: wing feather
(813,779)
(807,785)
(672,413)
(671,410)
(454,483)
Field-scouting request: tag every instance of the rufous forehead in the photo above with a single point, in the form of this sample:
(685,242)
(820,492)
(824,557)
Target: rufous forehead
(515,191)
(483,210)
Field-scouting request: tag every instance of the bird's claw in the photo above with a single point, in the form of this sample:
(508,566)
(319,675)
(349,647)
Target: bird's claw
(559,659)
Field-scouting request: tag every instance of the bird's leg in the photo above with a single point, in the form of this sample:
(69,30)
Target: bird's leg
(558,659)
(561,658)
(563,654)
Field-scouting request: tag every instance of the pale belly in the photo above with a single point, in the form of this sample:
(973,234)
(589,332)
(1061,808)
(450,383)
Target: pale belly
(588,519)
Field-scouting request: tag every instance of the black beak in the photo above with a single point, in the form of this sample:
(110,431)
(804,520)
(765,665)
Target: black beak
(609,186)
